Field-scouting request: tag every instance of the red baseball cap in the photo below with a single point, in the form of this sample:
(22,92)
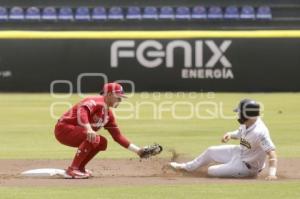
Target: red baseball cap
(115,88)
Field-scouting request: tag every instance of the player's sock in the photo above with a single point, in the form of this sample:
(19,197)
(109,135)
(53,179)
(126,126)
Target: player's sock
(100,145)
(90,156)
(83,152)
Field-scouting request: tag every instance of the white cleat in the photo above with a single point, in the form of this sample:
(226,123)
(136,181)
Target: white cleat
(177,166)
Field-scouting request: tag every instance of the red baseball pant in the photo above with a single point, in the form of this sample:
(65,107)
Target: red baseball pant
(76,136)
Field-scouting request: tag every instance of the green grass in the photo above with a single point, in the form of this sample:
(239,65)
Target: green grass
(27,126)
(203,191)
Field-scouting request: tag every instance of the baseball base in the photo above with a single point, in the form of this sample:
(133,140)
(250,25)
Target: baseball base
(46,172)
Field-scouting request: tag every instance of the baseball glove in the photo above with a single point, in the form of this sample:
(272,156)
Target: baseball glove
(151,150)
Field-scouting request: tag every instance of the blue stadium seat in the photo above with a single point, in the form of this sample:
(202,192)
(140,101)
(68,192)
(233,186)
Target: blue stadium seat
(16,14)
(115,13)
(65,14)
(247,12)
(33,14)
(215,12)
(199,12)
(150,12)
(264,12)
(134,12)
(182,13)
(49,14)
(3,14)
(166,12)
(99,13)
(82,14)
(232,12)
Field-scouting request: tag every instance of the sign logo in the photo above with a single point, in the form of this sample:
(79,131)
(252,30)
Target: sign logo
(196,63)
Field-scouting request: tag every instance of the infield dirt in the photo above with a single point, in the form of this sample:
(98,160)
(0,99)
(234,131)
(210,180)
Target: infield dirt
(112,172)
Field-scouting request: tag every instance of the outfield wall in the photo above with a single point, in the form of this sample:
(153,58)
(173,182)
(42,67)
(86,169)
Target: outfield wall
(238,61)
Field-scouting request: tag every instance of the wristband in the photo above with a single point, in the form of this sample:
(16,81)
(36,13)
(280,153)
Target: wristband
(133,148)
(272,171)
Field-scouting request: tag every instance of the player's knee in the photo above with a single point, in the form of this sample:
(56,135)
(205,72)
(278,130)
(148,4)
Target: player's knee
(210,149)
(212,171)
(102,144)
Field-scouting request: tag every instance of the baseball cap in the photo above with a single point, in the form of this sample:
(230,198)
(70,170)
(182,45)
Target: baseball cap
(115,88)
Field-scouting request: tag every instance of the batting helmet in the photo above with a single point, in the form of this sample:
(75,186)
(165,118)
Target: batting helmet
(247,109)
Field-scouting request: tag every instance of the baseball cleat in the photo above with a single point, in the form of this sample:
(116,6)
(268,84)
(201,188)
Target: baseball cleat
(177,166)
(87,172)
(75,174)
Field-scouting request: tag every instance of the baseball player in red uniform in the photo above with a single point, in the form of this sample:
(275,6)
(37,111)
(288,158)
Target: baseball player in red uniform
(77,128)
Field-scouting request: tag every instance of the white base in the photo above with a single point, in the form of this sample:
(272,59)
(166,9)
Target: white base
(46,172)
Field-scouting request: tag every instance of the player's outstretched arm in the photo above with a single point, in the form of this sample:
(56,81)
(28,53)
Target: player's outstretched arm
(272,165)
(142,152)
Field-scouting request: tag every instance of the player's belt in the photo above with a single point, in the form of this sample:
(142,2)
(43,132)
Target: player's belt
(247,165)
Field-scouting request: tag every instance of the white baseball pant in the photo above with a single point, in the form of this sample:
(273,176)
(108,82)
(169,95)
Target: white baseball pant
(228,157)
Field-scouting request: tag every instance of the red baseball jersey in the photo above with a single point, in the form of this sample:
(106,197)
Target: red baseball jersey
(93,110)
